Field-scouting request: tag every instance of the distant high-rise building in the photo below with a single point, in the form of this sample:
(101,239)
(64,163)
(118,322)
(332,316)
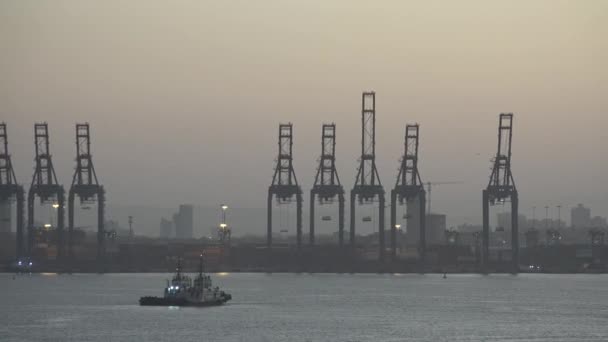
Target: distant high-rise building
(5,217)
(598,222)
(167,228)
(503,220)
(469,228)
(435,228)
(412,217)
(184,220)
(580,216)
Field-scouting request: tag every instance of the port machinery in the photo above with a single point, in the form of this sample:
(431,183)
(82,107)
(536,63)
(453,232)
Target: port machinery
(409,188)
(284,183)
(327,183)
(10,190)
(46,187)
(367,186)
(86,186)
(501,188)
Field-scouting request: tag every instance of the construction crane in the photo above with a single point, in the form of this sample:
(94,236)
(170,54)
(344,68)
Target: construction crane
(428,190)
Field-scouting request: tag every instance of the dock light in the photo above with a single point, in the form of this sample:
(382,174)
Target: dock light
(223,225)
(55,205)
(47,225)
(224,207)
(19,263)
(398,226)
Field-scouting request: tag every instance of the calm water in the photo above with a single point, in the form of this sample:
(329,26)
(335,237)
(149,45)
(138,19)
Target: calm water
(320,307)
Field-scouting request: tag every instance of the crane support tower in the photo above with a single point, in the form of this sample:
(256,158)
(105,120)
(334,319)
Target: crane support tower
(501,188)
(327,183)
(284,182)
(408,188)
(367,184)
(45,186)
(86,186)
(10,190)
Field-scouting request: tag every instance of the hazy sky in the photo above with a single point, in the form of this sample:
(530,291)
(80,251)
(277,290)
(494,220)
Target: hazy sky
(184,97)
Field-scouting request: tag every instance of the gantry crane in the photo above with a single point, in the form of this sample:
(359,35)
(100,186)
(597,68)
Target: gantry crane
(501,187)
(284,183)
(86,186)
(10,190)
(367,184)
(327,183)
(408,188)
(45,185)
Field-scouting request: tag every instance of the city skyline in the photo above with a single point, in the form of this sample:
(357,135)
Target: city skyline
(192,95)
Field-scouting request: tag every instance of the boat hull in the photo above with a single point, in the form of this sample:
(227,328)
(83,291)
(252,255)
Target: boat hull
(163,301)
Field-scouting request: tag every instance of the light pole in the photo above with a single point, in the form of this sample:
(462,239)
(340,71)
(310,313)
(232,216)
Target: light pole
(55,206)
(547,217)
(224,231)
(130,227)
(559,217)
(224,208)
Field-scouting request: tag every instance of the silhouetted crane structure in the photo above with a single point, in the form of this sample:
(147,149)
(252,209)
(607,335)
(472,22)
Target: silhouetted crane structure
(327,183)
(500,188)
(284,182)
(45,186)
(10,190)
(86,186)
(408,188)
(367,184)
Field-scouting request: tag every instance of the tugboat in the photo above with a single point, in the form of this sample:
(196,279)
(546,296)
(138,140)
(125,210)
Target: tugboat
(181,292)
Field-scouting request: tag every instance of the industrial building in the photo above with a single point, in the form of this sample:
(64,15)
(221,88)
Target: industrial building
(435,230)
(167,229)
(184,222)
(580,217)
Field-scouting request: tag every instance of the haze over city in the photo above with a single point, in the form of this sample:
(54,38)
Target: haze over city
(184,98)
(450,156)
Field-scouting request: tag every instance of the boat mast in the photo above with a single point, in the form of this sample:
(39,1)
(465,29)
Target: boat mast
(201,266)
(178,271)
